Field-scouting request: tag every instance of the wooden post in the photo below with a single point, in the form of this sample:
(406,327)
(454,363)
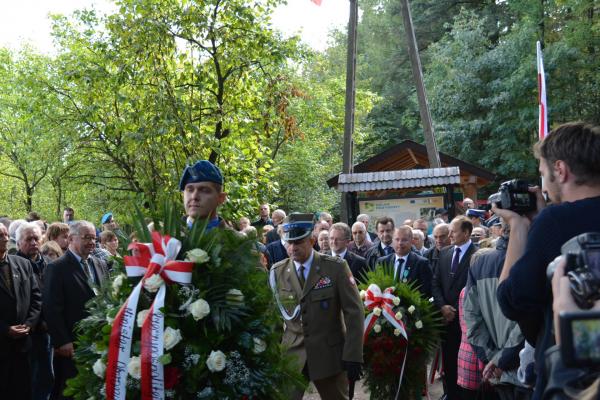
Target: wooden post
(350,101)
(415,61)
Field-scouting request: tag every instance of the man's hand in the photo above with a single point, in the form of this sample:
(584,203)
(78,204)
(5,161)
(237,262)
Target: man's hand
(66,350)
(18,331)
(448,312)
(491,371)
(353,369)
(512,218)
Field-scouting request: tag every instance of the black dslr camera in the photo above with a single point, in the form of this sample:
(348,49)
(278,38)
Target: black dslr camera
(514,195)
(582,254)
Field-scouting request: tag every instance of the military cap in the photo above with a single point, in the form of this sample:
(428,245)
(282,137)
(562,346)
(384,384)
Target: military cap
(475,213)
(202,171)
(297,226)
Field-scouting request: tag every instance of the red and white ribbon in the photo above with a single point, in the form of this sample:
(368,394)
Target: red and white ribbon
(156,258)
(374,298)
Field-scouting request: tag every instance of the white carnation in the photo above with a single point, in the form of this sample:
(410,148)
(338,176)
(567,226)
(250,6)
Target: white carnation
(199,309)
(398,315)
(396,332)
(197,256)
(419,324)
(135,367)
(396,301)
(153,283)
(216,361)
(117,283)
(411,309)
(377,311)
(259,345)
(141,317)
(99,368)
(363,294)
(377,328)
(171,337)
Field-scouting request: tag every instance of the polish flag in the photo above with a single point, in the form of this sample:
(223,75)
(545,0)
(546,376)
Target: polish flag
(317,2)
(543,112)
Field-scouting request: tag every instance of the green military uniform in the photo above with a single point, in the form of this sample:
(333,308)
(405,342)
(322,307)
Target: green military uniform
(328,326)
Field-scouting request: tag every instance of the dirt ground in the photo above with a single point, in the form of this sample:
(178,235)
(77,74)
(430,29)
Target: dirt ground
(360,393)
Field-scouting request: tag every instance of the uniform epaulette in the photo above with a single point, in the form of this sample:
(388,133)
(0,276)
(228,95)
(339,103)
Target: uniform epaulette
(327,257)
(279,263)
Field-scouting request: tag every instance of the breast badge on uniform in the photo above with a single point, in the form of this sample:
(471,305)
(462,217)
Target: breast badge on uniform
(323,283)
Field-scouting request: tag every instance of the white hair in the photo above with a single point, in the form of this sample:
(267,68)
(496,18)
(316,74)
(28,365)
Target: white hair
(419,233)
(362,217)
(12,228)
(359,225)
(26,227)
(279,212)
(75,227)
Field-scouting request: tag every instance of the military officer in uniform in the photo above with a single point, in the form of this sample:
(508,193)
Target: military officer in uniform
(322,311)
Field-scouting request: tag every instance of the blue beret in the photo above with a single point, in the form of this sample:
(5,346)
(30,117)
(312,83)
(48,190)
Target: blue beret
(202,171)
(475,213)
(106,217)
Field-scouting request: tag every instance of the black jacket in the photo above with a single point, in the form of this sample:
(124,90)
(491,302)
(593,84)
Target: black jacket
(276,252)
(418,271)
(22,305)
(357,264)
(66,290)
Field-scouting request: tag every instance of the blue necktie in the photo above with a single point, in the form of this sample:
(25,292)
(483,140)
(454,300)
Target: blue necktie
(388,250)
(455,259)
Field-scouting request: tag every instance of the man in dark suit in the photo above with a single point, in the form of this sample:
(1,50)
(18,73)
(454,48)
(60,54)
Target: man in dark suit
(276,251)
(340,236)
(408,266)
(277,218)
(68,284)
(441,238)
(385,230)
(29,238)
(20,308)
(450,277)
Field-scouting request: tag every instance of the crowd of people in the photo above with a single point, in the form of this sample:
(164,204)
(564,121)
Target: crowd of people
(485,272)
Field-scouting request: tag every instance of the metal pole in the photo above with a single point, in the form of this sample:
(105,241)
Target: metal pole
(415,61)
(350,101)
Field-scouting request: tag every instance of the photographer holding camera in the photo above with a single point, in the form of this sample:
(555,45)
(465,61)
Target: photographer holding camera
(572,364)
(569,162)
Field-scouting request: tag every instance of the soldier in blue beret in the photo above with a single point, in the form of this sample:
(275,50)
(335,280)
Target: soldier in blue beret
(202,187)
(476,216)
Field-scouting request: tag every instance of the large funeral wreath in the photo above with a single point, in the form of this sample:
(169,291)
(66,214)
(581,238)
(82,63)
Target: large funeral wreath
(216,335)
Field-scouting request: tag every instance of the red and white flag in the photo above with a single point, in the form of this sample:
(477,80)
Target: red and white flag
(543,112)
(317,2)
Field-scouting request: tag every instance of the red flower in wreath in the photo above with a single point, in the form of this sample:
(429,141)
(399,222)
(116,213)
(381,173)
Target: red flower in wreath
(172,376)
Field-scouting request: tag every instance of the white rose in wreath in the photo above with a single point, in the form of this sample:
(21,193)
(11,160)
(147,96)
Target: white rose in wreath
(117,283)
(216,361)
(259,345)
(197,256)
(398,315)
(141,317)
(377,311)
(171,337)
(363,294)
(153,283)
(396,332)
(135,367)
(199,309)
(411,309)
(396,300)
(419,324)
(377,328)
(99,368)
